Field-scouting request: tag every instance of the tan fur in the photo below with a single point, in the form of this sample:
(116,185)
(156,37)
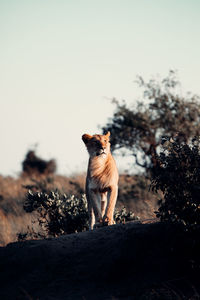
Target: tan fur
(102,179)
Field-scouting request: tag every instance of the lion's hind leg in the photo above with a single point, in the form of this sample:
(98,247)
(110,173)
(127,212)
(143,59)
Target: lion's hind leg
(91,217)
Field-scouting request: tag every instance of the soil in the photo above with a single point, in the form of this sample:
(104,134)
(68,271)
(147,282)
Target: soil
(131,261)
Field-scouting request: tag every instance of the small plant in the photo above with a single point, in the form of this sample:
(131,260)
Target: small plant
(122,216)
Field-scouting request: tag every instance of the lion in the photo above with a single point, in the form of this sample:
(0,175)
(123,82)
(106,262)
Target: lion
(101,181)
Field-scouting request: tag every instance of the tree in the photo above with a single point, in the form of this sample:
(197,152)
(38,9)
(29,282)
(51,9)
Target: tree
(33,164)
(163,112)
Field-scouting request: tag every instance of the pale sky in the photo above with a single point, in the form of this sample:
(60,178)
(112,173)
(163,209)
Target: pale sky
(61,60)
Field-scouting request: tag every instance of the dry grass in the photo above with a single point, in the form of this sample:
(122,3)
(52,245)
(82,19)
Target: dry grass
(134,194)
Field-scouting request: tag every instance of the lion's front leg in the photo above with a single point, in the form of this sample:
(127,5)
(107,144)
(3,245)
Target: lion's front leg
(112,198)
(95,198)
(103,203)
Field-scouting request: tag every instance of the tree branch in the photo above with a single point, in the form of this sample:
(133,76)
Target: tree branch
(138,163)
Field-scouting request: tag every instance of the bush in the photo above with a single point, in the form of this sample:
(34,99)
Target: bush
(61,214)
(178,177)
(58,214)
(122,216)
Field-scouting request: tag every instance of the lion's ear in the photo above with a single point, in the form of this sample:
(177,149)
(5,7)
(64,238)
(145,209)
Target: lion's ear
(107,134)
(86,138)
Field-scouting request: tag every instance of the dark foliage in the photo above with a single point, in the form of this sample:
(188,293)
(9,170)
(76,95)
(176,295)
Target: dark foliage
(58,214)
(178,177)
(162,112)
(122,216)
(35,165)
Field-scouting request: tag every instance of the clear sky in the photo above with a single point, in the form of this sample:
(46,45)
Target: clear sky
(61,60)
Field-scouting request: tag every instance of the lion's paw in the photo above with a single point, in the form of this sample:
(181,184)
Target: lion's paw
(108,221)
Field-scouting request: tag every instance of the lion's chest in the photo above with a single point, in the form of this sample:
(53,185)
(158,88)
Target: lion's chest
(101,174)
(98,185)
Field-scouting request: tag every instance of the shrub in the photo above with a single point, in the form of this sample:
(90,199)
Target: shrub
(58,214)
(122,216)
(61,214)
(178,177)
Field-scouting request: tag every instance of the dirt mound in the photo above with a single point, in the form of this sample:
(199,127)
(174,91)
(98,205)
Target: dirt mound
(132,261)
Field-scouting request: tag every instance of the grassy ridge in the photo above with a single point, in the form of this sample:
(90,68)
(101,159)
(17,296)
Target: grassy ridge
(133,194)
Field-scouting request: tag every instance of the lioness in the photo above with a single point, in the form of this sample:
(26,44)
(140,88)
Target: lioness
(102,180)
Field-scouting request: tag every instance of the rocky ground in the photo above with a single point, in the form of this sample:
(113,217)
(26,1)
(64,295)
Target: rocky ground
(131,261)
